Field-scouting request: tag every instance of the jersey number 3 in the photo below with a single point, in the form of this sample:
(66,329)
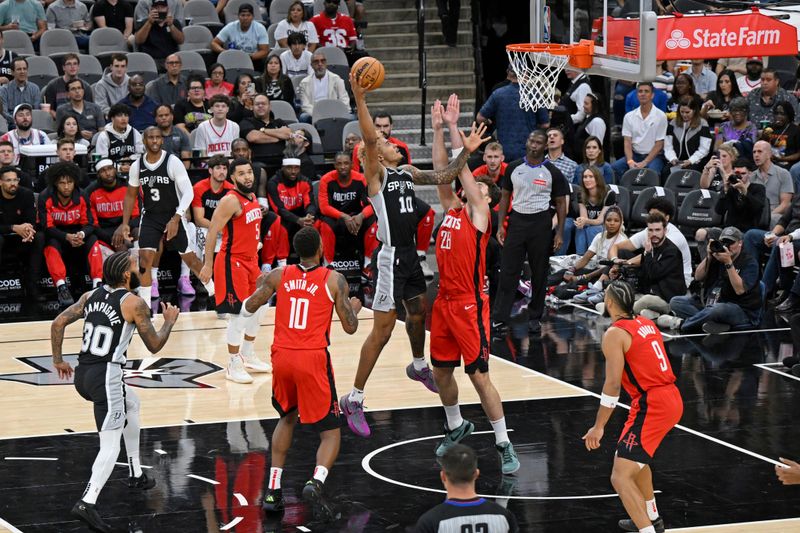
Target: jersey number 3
(662,359)
(96,339)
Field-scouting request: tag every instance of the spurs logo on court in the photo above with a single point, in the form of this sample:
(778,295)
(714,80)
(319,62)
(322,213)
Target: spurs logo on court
(148,373)
(630,441)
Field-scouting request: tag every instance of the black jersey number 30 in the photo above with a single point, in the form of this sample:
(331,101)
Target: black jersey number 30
(96,339)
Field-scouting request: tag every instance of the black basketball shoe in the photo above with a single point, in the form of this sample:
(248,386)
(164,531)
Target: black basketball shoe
(142,482)
(628,525)
(88,513)
(312,493)
(273,501)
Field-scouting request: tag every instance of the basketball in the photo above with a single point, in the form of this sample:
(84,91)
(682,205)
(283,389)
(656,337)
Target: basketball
(368,72)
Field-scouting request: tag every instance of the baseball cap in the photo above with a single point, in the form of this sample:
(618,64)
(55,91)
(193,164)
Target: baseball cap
(20,107)
(103,163)
(755,59)
(730,234)
(246,7)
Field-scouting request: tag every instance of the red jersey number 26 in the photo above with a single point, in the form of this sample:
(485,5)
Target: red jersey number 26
(662,358)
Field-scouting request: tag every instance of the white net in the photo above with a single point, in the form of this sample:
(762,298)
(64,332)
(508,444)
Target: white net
(537,73)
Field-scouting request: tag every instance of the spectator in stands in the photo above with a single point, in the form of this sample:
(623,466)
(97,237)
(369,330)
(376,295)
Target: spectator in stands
(752,78)
(730,282)
(105,197)
(19,234)
(6,62)
(792,84)
(684,86)
(24,134)
(114,14)
(207,194)
(738,65)
(214,136)
(274,83)
(513,125)
(25,15)
(688,140)
(555,152)
(763,99)
(345,211)
(592,125)
(705,80)
(170,87)
(720,99)
(299,145)
(141,106)
(71,15)
(661,98)
(65,153)
(783,135)
(176,141)
(216,83)
(595,199)
(244,35)
(494,164)
(351,141)
(383,124)
(69,229)
(718,168)
(335,29)
(143,8)
(242,101)
(19,90)
(8,158)
(55,92)
(788,280)
(119,140)
(266,135)
(296,60)
(660,273)
(89,114)
(191,112)
(296,23)
(643,133)
(593,157)
(323,84)
(289,195)
(775,179)
(161,32)
(738,131)
(662,206)
(113,86)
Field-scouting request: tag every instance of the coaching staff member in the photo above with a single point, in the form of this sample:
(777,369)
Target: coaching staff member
(535,185)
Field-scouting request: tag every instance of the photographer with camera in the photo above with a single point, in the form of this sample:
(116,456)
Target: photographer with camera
(732,291)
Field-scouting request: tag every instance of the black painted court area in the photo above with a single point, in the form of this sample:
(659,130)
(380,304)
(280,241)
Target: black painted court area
(701,482)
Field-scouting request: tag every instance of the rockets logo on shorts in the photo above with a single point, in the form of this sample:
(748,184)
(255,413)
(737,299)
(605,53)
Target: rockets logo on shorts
(630,441)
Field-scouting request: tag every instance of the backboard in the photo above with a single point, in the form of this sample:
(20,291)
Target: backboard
(624,36)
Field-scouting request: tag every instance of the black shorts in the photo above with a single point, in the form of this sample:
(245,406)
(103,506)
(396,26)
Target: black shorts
(398,276)
(102,384)
(152,229)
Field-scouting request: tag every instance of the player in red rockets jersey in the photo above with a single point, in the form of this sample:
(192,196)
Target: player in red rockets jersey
(105,197)
(636,360)
(238,217)
(460,315)
(302,381)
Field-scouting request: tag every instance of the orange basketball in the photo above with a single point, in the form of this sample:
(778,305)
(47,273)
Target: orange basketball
(368,72)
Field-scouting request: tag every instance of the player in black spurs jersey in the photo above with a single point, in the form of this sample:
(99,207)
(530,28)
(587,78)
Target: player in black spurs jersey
(399,275)
(111,312)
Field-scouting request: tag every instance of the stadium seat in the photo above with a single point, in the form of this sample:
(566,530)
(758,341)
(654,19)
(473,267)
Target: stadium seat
(638,212)
(140,63)
(42,120)
(697,211)
(315,138)
(192,63)
(330,132)
(103,42)
(271,35)
(351,127)
(283,110)
(57,42)
(682,182)
(202,13)
(18,42)
(197,38)
(296,83)
(330,108)
(279,10)
(3,125)
(235,62)
(41,69)
(334,55)
(638,179)
(91,69)
(623,200)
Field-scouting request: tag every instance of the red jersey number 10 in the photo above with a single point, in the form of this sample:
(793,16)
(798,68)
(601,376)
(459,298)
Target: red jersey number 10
(298,314)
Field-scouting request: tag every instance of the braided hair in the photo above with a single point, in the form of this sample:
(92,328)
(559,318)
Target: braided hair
(623,294)
(115,267)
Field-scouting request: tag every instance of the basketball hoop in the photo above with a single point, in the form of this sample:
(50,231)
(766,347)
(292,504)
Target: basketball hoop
(537,66)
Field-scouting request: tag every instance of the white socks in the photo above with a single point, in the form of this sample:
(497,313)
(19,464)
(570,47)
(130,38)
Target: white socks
(60,283)
(420,363)
(247,348)
(275,478)
(652,510)
(356,395)
(648,529)
(131,435)
(103,464)
(500,431)
(453,413)
(320,473)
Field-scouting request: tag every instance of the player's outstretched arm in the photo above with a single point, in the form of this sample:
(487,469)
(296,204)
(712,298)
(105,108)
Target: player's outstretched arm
(447,197)
(346,308)
(266,285)
(614,352)
(64,319)
(372,169)
(135,310)
(448,174)
(228,207)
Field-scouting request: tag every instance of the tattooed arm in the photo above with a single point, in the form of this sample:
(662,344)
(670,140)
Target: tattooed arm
(266,285)
(448,174)
(135,310)
(67,317)
(346,308)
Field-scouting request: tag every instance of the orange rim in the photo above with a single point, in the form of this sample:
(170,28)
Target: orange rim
(580,54)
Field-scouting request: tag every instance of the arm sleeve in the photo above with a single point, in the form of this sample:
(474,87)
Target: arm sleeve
(133,175)
(182,183)
(325,207)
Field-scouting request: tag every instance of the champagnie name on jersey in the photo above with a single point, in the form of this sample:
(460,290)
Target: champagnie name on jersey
(300,285)
(106,309)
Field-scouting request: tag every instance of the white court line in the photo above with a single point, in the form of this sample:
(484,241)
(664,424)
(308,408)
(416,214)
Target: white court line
(589,309)
(159,451)
(31,458)
(9,527)
(231,524)
(787,521)
(240,498)
(304,529)
(126,465)
(776,371)
(201,478)
(768,330)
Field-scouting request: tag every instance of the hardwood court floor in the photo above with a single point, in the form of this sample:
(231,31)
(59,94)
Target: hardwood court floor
(207,461)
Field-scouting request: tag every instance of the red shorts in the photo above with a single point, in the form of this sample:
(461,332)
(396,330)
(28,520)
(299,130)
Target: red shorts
(460,329)
(302,380)
(652,416)
(234,280)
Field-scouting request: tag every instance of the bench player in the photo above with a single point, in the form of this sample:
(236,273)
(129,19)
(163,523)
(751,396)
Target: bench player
(302,379)
(111,312)
(399,276)
(167,194)
(460,315)
(636,358)
(238,217)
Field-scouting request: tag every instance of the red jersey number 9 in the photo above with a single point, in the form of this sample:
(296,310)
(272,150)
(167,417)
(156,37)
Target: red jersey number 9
(662,358)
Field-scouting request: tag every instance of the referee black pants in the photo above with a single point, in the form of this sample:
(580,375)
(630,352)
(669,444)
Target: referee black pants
(528,236)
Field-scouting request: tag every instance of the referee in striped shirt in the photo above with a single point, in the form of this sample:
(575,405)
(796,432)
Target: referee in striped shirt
(536,184)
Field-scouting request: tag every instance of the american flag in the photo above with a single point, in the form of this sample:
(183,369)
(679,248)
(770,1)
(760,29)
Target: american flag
(630,46)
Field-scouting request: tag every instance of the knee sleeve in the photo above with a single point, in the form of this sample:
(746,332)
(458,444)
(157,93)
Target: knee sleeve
(253,322)
(235,331)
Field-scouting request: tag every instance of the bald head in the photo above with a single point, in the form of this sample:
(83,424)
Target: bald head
(762,154)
